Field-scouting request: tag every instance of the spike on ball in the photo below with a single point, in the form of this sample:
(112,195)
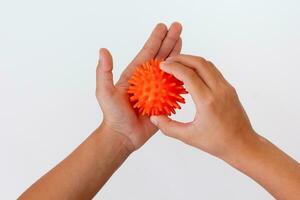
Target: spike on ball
(153,91)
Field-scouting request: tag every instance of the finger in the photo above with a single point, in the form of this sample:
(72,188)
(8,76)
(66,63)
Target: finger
(148,52)
(209,73)
(216,70)
(152,45)
(170,41)
(177,48)
(104,76)
(170,127)
(193,83)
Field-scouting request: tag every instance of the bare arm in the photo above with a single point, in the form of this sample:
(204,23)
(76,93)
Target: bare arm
(85,171)
(269,166)
(221,127)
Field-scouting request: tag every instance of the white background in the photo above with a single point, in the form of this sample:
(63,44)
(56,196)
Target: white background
(48,52)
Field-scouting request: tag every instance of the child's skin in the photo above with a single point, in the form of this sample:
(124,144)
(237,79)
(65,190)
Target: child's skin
(221,128)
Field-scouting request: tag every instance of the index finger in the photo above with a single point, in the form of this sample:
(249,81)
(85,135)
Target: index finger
(208,72)
(192,81)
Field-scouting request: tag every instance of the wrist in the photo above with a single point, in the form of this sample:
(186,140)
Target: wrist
(116,137)
(242,148)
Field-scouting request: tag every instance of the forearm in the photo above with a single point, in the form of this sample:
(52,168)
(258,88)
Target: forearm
(84,171)
(269,166)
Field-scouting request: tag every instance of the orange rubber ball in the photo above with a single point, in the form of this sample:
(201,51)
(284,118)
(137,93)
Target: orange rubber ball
(153,91)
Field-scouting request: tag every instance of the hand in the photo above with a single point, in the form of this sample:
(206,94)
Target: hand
(118,114)
(220,124)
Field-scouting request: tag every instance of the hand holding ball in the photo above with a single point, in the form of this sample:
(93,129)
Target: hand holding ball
(153,91)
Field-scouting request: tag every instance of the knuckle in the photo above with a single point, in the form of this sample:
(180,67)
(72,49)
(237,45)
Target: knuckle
(192,77)
(227,92)
(172,39)
(191,74)
(201,60)
(164,129)
(210,100)
(150,50)
(210,63)
(230,89)
(163,52)
(164,125)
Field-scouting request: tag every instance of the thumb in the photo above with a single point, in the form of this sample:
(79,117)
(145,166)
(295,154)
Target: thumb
(170,127)
(104,76)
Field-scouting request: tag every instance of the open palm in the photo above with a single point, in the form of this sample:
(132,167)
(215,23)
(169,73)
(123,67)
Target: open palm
(118,113)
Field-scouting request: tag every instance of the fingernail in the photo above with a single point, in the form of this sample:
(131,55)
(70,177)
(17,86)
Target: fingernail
(153,120)
(163,64)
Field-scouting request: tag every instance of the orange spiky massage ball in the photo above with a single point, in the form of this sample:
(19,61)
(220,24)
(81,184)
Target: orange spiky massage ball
(153,91)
